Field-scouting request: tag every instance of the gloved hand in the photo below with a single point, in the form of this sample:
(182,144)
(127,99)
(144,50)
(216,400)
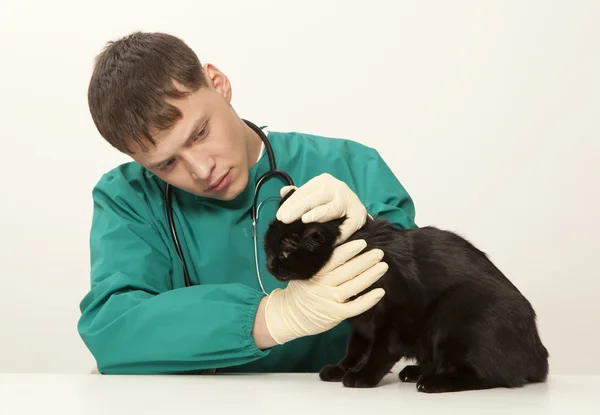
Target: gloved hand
(322,199)
(308,307)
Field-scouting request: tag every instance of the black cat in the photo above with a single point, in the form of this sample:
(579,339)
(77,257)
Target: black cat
(446,305)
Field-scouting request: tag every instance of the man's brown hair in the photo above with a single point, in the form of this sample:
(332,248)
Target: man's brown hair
(132,76)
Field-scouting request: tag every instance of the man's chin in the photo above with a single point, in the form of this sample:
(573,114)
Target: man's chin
(226,196)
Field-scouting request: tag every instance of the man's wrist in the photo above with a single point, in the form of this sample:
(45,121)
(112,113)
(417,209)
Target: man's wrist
(260,331)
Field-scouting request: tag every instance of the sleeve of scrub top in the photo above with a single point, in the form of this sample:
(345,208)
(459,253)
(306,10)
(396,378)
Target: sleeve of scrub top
(378,188)
(134,322)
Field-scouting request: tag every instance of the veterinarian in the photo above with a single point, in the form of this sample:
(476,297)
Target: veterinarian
(152,100)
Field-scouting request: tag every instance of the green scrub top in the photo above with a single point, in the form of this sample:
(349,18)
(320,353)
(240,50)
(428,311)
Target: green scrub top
(139,318)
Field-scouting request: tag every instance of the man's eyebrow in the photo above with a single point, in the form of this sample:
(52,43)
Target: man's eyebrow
(199,122)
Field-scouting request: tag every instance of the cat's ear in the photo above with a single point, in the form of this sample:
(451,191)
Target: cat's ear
(338,222)
(312,238)
(290,191)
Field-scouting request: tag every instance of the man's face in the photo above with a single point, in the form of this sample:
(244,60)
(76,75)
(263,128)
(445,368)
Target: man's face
(209,151)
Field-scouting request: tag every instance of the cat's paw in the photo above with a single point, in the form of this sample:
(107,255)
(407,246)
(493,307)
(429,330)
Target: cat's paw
(359,380)
(433,383)
(332,373)
(410,374)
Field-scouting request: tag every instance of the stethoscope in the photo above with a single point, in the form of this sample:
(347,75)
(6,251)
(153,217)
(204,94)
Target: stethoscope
(255,209)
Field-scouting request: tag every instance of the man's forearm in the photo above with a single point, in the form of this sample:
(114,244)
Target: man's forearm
(261,334)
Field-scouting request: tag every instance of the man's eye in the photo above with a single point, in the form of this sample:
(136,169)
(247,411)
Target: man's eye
(201,133)
(167,165)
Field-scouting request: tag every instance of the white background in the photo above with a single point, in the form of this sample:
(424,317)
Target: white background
(487,111)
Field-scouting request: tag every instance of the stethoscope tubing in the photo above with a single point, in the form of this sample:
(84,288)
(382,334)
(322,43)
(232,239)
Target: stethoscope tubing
(273,172)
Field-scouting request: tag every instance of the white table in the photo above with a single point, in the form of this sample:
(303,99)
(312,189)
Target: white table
(282,394)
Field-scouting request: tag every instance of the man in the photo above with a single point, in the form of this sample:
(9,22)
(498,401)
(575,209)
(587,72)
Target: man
(150,98)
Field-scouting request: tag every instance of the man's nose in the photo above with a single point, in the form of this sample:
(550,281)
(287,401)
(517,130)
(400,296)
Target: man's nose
(200,167)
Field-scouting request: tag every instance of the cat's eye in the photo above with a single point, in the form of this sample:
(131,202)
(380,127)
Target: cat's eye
(285,254)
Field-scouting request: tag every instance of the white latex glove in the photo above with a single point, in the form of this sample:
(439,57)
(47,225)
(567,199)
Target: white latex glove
(308,307)
(322,199)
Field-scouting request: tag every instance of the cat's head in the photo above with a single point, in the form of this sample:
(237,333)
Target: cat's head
(297,251)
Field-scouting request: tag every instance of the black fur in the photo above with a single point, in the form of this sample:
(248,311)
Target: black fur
(446,305)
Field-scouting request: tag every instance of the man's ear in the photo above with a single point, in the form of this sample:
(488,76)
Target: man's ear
(218,80)
(312,238)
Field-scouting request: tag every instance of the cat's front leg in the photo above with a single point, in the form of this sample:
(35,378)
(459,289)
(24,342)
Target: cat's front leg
(410,373)
(378,364)
(357,353)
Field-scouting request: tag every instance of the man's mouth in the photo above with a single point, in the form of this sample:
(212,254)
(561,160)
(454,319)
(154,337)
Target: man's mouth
(220,184)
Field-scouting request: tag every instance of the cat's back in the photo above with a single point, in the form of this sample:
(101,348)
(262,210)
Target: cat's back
(437,256)
(447,258)
(428,243)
